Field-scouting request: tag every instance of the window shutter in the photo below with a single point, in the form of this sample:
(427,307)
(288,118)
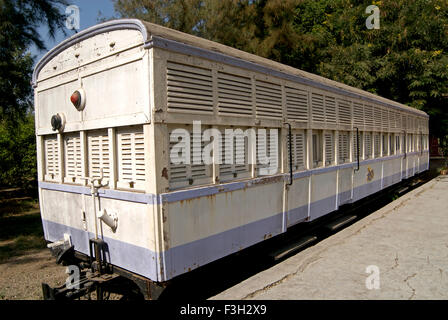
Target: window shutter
(52,170)
(234,95)
(297,104)
(317,108)
(131,157)
(190,88)
(343,146)
(73,157)
(329,150)
(98,153)
(368,113)
(368,150)
(268,100)
(344,112)
(358,114)
(330,110)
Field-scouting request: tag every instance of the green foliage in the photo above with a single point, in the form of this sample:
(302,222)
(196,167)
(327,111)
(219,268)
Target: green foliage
(405,60)
(19,22)
(18,153)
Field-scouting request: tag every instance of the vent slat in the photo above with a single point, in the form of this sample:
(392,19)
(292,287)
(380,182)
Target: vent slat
(189,88)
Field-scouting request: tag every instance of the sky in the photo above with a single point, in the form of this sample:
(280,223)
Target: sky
(91,11)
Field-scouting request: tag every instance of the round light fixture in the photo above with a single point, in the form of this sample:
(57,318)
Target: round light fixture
(78,99)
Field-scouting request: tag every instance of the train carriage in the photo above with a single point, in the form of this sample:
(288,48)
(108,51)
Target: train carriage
(108,102)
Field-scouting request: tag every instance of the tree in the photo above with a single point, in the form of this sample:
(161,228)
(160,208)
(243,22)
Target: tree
(19,21)
(406,60)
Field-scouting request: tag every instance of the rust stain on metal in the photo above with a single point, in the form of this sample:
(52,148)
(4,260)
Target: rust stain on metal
(165,173)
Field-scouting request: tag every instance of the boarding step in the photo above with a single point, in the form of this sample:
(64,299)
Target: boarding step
(293,247)
(339,223)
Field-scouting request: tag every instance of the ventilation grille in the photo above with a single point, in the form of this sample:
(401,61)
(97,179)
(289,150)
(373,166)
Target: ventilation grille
(298,150)
(98,153)
(317,108)
(131,157)
(52,170)
(377,145)
(234,95)
(268,100)
(330,110)
(384,118)
(397,143)
(329,148)
(267,151)
(73,157)
(344,153)
(377,117)
(189,88)
(233,155)
(392,144)
(403,122)
(196,171)
(344,112)
(355,145)
(368,147)
(296,104)
(385,141)
(358,114)
(368,116)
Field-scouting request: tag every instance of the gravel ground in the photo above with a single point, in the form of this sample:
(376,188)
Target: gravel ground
(21,276)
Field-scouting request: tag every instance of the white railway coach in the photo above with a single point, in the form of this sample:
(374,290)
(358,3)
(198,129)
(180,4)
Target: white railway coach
(107,101)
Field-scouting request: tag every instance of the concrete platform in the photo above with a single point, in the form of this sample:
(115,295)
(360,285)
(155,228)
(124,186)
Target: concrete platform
(405,244)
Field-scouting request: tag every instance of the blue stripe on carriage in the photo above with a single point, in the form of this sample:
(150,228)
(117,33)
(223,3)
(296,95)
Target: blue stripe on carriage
(210,190)
(182,258)
(123,254)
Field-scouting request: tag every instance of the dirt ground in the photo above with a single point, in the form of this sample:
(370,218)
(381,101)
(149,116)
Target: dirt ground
(21,276)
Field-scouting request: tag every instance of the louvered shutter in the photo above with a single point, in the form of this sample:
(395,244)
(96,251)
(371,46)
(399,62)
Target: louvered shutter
(317,108)
(355,145)
(296,104)
(52,170)
(194,173)
(377,116)
(268,100)
(385,142)
(384,118)
(343,147)
(234,95)
(98,154)
(344,112)
(265,149)
(329,148)
(368,148)
(376,142)
(73,158)
(234,162)
(189,89)
(298,150)
(358,114)
(131,158)
(330,110)
(368,114)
